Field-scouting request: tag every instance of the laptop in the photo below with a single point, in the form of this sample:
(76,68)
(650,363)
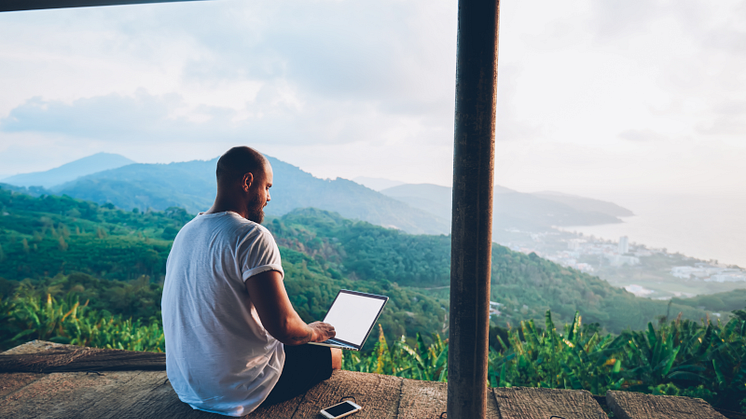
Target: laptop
(353,315)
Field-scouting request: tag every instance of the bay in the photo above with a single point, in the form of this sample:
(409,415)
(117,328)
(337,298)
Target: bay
(708,227)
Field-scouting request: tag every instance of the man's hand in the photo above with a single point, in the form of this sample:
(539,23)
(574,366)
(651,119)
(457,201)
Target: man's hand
(322,331)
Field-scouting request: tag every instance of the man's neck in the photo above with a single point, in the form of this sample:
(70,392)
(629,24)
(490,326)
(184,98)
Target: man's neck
(223,205)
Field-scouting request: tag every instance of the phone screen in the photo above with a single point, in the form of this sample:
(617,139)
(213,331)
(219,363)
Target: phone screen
(340,409)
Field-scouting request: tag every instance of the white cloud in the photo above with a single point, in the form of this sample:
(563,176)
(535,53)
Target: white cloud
(591,94)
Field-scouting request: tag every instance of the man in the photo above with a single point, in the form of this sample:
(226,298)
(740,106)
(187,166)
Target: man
(233,339)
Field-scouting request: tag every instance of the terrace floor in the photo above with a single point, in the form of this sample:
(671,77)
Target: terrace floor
(45,380)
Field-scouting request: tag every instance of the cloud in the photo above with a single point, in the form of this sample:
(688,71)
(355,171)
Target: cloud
(320,72)
(350,88)
(273,117)
(644,135)
(110,116)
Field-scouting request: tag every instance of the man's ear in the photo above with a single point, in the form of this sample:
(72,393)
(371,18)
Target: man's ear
(246,182)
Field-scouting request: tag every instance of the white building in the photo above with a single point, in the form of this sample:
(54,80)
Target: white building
(623,245)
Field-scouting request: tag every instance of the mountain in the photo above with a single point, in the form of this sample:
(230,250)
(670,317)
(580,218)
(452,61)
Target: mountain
(585,204)
(191,185)
(435,199)
(376,183)
(417,209)
(70,171)
(514,209)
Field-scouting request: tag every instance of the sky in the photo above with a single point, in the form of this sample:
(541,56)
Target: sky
(595,97)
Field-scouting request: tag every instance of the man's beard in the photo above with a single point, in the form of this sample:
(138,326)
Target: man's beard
(255,210)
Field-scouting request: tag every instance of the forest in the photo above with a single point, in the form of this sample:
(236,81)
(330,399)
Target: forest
(75,272)
(47,237)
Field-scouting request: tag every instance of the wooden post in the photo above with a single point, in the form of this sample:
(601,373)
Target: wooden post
(471,226)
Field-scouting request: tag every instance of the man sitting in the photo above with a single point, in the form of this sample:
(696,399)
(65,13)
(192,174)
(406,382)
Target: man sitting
(233,339)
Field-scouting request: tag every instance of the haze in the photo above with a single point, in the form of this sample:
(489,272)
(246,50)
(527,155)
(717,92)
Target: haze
(593,96)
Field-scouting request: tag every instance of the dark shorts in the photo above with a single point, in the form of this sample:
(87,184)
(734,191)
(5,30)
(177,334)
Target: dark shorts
(305,366)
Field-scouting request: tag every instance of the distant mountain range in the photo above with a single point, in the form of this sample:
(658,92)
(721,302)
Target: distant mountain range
(414,208)
(191,185)
(70,171)
(377,184)
(512,209)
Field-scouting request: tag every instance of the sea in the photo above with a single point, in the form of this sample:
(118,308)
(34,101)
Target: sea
(706,227)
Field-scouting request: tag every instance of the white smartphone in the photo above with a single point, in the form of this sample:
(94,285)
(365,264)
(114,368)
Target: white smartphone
(340,410)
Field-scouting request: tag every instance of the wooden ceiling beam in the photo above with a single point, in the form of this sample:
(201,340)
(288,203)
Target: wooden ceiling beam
(18,5)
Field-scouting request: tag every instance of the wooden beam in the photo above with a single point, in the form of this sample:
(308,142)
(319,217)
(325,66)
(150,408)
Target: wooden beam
(18,5)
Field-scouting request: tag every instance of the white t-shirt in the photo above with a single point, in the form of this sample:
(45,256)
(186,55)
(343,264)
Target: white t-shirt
(219,357)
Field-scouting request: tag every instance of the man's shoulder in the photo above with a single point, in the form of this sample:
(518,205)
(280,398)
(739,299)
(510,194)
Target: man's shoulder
(250,230)
(229,226)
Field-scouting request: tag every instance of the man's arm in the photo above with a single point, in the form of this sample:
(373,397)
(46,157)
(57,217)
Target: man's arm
(277,314)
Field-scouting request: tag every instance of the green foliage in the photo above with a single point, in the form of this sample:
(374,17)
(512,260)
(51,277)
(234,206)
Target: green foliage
(48,235)
(579,358)
(322,252)
(420,362)
(677,358)
(720,302)
(681,358)
(67,321)
(137,298)
(526,286)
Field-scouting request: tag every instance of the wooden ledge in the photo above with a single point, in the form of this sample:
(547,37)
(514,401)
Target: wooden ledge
(106,384)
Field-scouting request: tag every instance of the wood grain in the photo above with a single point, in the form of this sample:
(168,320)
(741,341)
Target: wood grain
(543,403)
(422,399)
(378,395)
(629,405)
(67,395)
(10,383)
(429,399)
(73,358)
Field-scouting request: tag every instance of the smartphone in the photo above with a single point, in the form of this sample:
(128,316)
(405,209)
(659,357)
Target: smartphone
(340,410)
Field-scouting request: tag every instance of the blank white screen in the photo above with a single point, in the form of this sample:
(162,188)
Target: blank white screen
(352,315)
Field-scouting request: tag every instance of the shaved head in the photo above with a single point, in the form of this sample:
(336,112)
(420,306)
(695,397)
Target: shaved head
(244,178)
(238,161)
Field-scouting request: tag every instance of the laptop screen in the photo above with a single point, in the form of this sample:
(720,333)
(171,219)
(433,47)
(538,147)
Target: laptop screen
(353,315)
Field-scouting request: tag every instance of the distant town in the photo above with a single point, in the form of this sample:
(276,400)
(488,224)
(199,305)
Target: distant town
(643,271)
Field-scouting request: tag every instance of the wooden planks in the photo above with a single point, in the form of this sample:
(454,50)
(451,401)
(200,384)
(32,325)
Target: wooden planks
(427,400)
(71,395)
(148,394)
(72,359)
(422,399)
(543,403)
(33,347)
(10,383)
(377,394)
(628,405)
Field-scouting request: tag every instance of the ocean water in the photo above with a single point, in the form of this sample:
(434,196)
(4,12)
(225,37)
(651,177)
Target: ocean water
(701,226)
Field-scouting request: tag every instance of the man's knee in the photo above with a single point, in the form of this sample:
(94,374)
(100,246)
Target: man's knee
(336,358)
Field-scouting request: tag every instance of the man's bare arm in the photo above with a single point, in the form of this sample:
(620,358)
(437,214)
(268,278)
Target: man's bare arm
(267,292)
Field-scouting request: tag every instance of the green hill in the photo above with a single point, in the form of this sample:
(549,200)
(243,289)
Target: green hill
(526,286)
(720,302)
(49,236)
(61,245)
